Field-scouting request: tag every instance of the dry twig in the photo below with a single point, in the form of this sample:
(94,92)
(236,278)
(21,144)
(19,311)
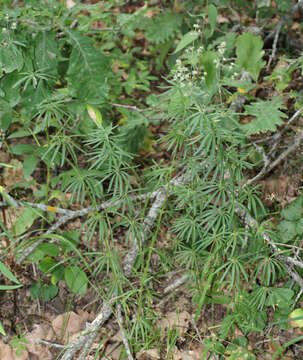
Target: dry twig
(269,167)
(124,337)
(85,340)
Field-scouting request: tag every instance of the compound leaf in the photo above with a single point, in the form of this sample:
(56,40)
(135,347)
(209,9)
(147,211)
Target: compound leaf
(88,70)
(164,27)
(267,116)
(47,53)
(249,54)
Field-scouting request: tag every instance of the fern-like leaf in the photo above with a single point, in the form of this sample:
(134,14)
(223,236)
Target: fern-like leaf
(267,116)
(88,70)
(164,27)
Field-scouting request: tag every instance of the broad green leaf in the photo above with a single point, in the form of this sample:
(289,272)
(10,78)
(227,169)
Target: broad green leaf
(187,39)
(47,264)
(279,296)
(294,211)
(11,57)
(25,220)
(208,62)
(21,149)
(76,279)
(11,93)
(73,239)
(287,230)
(19,134)
(163,27)
(6,115)
(57,274)
(7,273)
(249,54)
(212,15)
(43,291)
(240,341)
(267,116)
(49,249)
(29,165)
(36,255)
(299,226)
(246,85)
(88,70)
(47,53)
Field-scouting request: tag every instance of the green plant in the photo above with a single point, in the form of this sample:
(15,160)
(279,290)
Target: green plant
(7,273)
(46,254)
(19,343)
(208,142)
(292,225)
(69,110)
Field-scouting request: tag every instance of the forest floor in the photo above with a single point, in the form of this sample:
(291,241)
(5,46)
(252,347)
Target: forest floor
(38,329)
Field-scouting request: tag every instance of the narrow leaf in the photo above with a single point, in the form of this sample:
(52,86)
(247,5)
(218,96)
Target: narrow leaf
(7,273)
(212,15)
(186,40)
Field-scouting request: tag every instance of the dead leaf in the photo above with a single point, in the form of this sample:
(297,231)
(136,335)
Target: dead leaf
(222,19)
(8,353)
(67,324)
(150,354)
(40,332)
(150,13)
(179,320)
(282,189)
(12,175)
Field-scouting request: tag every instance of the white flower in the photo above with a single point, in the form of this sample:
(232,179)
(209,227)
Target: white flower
(14,26)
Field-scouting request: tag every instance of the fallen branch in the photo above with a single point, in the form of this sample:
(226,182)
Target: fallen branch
(269,167)
(274,46)
(124,337)
(297,7)
(131,107)
(68,215)
(85,340)
(279,134)
(286,260)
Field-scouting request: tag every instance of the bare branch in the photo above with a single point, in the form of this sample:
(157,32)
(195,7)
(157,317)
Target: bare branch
(297,7)
(286,260)
(269,167)
(124,337)
(85,340)
(131,107)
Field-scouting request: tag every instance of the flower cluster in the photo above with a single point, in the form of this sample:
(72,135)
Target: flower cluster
(185,75)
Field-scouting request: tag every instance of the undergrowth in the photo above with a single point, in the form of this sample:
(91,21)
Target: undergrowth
(73,123)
